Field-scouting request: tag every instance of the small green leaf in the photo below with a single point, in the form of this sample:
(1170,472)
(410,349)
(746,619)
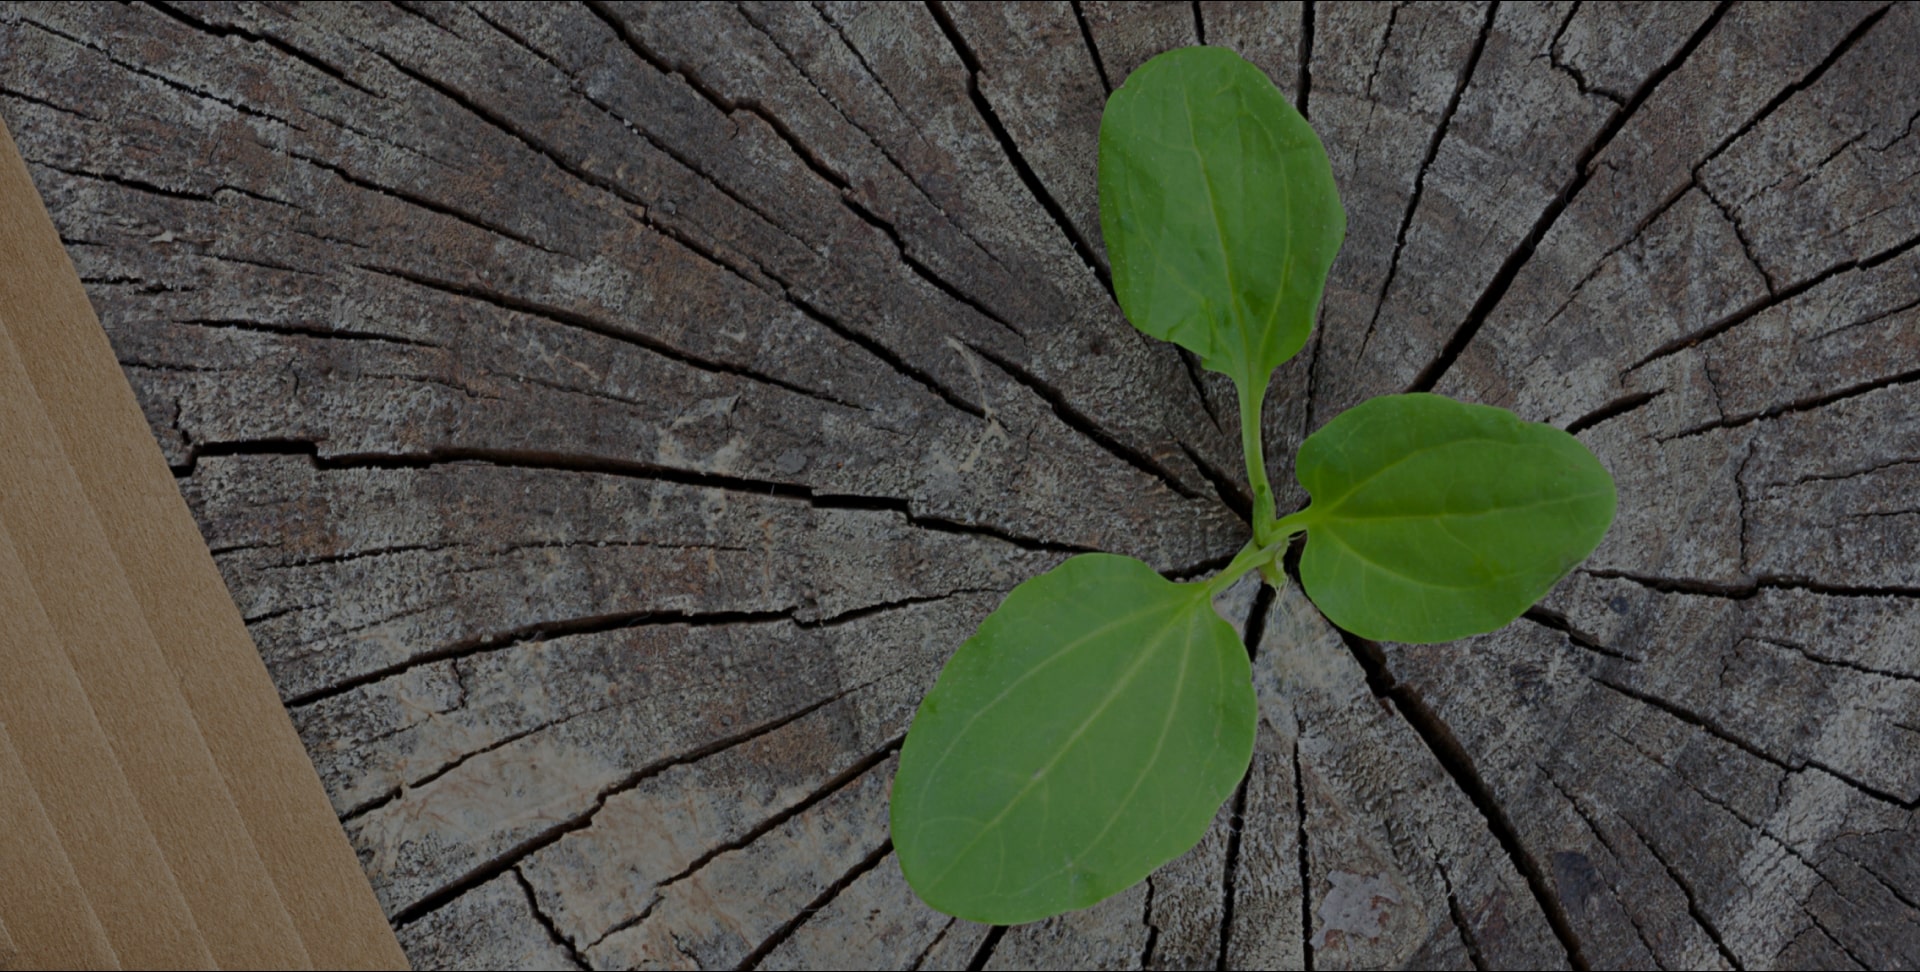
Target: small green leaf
(1084,736)
(1433,520)
(1219,210)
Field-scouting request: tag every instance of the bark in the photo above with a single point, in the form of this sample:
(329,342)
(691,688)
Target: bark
(609,417)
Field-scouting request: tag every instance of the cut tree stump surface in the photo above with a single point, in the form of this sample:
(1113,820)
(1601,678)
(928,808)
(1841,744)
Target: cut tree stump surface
(609,417)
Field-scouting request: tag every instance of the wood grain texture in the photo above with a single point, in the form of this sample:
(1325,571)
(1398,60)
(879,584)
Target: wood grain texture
(608,418)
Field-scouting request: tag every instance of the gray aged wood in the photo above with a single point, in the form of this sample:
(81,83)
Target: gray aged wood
(609,417)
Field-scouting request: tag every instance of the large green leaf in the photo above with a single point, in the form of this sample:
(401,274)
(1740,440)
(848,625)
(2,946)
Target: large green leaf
(1219,210)
(1085,735)
(1433,520)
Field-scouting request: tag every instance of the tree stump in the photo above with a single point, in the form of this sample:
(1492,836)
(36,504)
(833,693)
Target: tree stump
(609,417)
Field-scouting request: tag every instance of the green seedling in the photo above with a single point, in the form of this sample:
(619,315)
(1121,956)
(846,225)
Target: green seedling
(1092,727)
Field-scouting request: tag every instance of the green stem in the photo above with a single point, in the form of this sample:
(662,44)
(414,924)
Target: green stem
(1264,558)
(1248,558)
(1273,574)
(1296,522)
(1251,396)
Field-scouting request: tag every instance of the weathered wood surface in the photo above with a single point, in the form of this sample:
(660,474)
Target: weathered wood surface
(608,418)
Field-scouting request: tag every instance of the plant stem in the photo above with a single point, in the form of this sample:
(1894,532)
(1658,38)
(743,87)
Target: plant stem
(1296,522)
(1264,557)
(1252,394)
(1248,558)
(1253,555)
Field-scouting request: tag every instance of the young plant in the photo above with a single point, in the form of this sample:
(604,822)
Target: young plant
(1091,728)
